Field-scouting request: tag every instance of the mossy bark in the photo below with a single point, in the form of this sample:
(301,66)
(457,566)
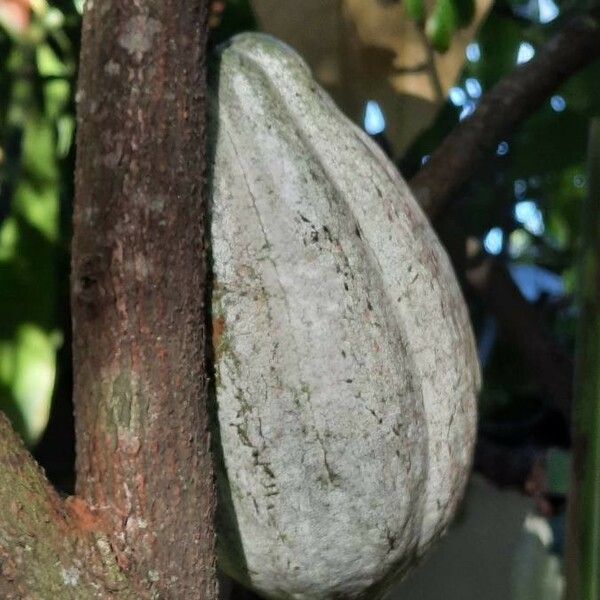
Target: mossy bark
(50,548)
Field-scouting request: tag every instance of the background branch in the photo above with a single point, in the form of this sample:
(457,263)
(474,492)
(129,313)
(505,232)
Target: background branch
(512,100)
(458,157)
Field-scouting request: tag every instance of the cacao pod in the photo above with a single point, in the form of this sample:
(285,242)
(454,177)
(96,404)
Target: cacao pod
(345,366)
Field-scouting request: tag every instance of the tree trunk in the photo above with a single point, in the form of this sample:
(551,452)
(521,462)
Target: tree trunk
(141,525)
(138,290)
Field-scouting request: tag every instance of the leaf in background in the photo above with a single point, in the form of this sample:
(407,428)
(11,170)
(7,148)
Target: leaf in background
(27,373)
(369,50)
(28,253)
(14,15)
(415,9)
(441,25)
(37,129)
(465,12)
(28,338)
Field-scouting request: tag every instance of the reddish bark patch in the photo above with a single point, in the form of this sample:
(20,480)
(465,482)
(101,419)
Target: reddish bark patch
(83,517)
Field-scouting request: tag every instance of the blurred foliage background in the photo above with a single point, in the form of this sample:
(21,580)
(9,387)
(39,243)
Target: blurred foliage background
(407,72)
(38,56)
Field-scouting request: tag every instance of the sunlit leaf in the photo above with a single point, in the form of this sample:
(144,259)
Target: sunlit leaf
(441,25)
(37,130)
(27,372)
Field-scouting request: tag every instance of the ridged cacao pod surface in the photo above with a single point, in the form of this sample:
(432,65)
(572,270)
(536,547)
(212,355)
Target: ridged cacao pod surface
(345,366)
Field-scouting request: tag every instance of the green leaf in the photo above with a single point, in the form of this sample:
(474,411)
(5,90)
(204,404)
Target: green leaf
(415,9)
(48,63)
(465,12)
(27,372)
(38,147)
(441,25)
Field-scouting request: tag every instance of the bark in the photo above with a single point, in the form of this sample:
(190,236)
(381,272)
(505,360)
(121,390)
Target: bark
(512,100)
(50,548)
(138,292)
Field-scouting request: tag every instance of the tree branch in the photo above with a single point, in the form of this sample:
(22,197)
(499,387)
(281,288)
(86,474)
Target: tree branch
(139,291)
(513,99)
(49,548)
